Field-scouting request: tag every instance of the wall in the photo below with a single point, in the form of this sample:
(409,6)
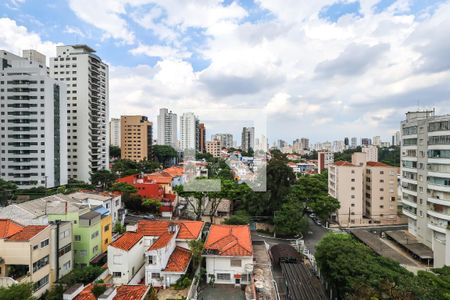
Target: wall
(123,261)
(106,235)
(219,264)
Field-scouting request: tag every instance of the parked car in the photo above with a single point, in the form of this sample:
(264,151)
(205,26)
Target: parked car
(313,215)
(149,217)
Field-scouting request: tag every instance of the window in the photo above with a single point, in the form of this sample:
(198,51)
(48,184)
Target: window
(83,253)
(40,263)
(117,274)
(95,249)
(77,238)
(94,235)
(64,250)
(35,247)
(155,276)
(64,234)
(66,266)
(151,260)
(223,276)
(245,277)
(44,243)
(106,228)
(353,179)
(235,262)
(41,283)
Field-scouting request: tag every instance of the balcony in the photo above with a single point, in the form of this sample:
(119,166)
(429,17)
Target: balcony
(409,214)
(436,187)
(440,215)
(409,203)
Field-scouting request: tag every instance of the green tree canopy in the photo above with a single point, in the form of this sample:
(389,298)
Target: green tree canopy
(22,291)
(289,220)
(103,179)
(164,154)
(114,152)
(7,190)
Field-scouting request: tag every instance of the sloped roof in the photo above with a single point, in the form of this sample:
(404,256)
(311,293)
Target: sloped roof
(127,240)
(131,292)
(163,240)
(175,171)
(178,260)
(229,240)
(377,164)
(189,230)
(9,228)
(86,293)
(27,233)
(343,164)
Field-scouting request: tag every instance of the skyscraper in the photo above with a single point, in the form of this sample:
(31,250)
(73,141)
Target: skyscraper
(377,141)
(167,128)
(137,138)
(425,180)
(114,132)
(248,139)
(225,139)
(304,143)
(33,145)
(188,128)
(86,77)
(201,138)
(354,142)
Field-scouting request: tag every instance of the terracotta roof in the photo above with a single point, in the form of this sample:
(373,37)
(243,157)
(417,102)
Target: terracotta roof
(175,171)
(86,293)
(377,164)
(178,261)
(344,164)
(158,178)
(8,228)
(127,240)
(131,292)
(189,230)
(163,240)
(229,240)
(27,233)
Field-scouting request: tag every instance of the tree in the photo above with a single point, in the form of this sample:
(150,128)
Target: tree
(22,291)
(124,188)
(125,167)
(165,154)
(196,200)
(196,247)
(103,178)
(114,152)
(56,293)
(241,217)
(324,205)
(98,289)
(133,202)
(119,228)
(151,205)
(83,275)
(289,220)
(7,190)
(390,156)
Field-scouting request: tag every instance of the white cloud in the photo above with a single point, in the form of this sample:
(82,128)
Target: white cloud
(159,51)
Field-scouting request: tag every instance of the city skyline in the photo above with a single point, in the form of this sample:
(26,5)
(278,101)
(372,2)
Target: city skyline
(362,65)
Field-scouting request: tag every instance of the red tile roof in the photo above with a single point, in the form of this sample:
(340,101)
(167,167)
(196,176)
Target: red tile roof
(230,240)
(159,178)
(344,164)
(27,233)
(8,228)
(131,292)
(189,230)
(163,240)
(127,240)
(175,171)
(179,260)
(86,293)
(377,164)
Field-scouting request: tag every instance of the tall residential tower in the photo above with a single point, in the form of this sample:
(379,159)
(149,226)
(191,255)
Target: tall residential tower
(167,128)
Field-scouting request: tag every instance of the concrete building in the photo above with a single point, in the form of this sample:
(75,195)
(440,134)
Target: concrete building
(248,139)
(376,141)
(225,139)
(354,142)
(136,138)
(87,81)
(371,152)
(229,254)
(324,160)
(425,180)
(114,132)
(167,128)
(304,143)
(214,147)
(366,142)
(35,56)
(33,144)
(188,128)
(201,138)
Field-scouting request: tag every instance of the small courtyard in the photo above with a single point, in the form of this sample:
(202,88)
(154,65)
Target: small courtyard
(221,292)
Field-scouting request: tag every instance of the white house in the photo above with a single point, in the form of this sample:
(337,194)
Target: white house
(160,246)
(111,201)
(126,257)
(229,254)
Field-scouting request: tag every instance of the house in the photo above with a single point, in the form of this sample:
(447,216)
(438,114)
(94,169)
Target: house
(156,251)
(61,255)
(122,292)
(25,253)
(229,254)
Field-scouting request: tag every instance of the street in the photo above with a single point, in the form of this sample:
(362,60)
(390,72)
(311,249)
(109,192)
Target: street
(313,236)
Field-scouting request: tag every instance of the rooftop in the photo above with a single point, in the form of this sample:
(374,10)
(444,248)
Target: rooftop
(127,240)
(229,240)
(178,261)
(9,228)
(378,164)
(343,164)
(89,215)
(27,233)
(131,292)
(163,240)
(189,230)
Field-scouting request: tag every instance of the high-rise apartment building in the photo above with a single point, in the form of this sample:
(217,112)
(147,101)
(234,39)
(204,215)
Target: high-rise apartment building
(33,145)
(425,180)
(376,141)
(201,139)
(248,139)
(366,141)
(213,147)
(225,139)
(137,138)
(371,152)
(87,82)
(304,143)
(354,142)
(114,132)
(167,128)
(324,160)
(188,128)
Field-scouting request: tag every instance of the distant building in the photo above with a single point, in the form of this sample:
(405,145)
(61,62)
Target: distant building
(354,143)
(226,139)
(376,141)
(346,143)
(167,128)
(366,142)
(248,139)
(188,128)
(371,152)
(325,159)
(114,132)
(136,138)
(213,147)
(201,139)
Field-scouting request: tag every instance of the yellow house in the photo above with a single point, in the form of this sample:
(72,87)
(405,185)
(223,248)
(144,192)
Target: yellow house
(106,235)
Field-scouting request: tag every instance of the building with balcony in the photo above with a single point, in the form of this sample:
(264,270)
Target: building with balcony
(136,138)
(167,128)
(33,145)
(87,83)
(425,180)
(114,132)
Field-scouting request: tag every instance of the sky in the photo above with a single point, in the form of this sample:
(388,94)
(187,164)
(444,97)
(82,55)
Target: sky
(322,69)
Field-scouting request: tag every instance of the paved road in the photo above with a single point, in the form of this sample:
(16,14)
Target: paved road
(313,236)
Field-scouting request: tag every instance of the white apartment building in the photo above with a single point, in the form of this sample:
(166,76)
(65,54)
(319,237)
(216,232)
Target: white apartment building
(87,80)
(226,139)
(33,147)
(376,141)
(188,130)
(371,152)
(354,142)
(167,128)
(114,132)
(425,180)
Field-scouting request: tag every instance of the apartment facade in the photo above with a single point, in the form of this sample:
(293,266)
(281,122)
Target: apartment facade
(201,139)
(371,152)
(213,147)
(188,128)
(33,148)
(87,82)
(114,132)
(136,137)
(167,128)
(226,139)
(248,139)
(324,160)
(425,180)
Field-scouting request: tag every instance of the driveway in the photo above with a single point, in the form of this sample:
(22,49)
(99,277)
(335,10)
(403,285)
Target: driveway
(221,292)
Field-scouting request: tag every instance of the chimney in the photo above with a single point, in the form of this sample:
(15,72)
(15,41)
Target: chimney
(109,294)
(73,291)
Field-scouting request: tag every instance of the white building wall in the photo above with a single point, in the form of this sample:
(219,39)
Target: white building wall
(220,264)
(188,131)
(128,263)
(114,132)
